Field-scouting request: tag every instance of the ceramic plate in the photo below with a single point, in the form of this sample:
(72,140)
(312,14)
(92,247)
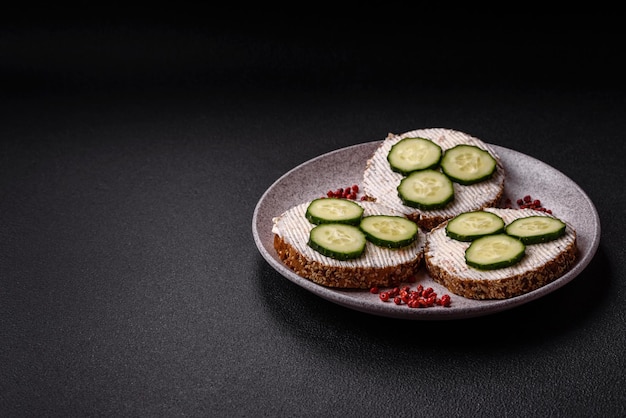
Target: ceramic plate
(344,167)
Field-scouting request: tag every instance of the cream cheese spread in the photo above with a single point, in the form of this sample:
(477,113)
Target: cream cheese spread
(381,182)
(294,228)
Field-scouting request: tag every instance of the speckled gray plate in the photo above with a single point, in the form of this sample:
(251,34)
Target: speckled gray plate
(344,167)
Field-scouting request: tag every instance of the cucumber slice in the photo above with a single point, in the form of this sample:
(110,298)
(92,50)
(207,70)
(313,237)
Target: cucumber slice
(332,209)
(494,251)
(468,164)
(389,231)
(339,241)
(412,154)
(468,226)
(536,229)
(426,189)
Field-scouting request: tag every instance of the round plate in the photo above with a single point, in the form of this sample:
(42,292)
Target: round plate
(344,167)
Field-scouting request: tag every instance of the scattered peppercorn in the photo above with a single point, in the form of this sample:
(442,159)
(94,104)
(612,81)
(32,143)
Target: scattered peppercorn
(349,192)
(419,297)
(527,202)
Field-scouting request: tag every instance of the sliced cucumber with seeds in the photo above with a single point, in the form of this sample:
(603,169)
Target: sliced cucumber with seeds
(426,189)
(412,154)
(332,209)
(536,229)
(468,226)
(494,251)
(389,231)
(339,241)
(468,164)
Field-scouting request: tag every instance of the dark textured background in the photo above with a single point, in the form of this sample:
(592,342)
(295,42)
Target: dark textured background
(135,148)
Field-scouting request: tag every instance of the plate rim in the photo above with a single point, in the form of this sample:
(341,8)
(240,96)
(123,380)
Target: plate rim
(342,296)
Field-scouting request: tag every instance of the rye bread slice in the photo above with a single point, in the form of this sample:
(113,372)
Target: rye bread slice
(378,266)
(380,182)
(543,263)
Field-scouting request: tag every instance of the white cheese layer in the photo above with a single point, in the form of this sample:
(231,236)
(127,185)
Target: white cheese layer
(381,182)
(449,254)
(293,227)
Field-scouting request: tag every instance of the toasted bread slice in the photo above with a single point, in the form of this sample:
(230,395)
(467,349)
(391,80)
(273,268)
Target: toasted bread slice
(378,266)
(542,263)
(380,182)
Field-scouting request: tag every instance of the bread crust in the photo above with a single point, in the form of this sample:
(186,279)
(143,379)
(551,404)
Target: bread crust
(357,277)
(518,280)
